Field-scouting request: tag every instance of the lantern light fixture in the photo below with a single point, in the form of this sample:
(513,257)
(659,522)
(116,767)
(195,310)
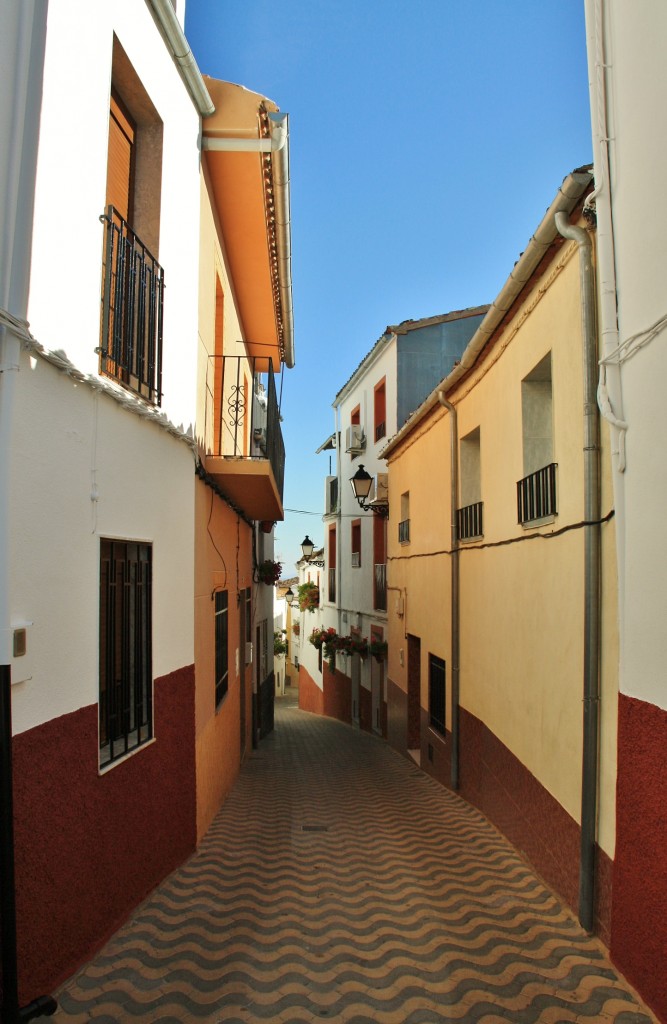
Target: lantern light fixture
(361,488)
(307,548)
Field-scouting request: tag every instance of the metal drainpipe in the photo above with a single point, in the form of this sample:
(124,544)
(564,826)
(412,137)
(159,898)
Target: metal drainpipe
(590,755)
(455,621)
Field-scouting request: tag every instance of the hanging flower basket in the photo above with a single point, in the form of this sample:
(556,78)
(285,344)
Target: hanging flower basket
(378,648)
(279,642)
(316,638)
(269,572)
(309,596)
(296,628)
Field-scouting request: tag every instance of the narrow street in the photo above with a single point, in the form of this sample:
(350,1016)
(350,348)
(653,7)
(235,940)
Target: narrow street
(340,883)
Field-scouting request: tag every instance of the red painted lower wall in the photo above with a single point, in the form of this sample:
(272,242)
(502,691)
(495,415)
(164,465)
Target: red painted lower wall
(337,694)
(495,781)
(639,914)
(90,847)
(311,697)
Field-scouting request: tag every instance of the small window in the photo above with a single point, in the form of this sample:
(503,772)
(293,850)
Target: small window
(469,522)
(380,409)
(131,329)
(332,563)
(221,645)
(356,543)
(436,693)
(536,492)
(355,416)
(126,671)
(404,523)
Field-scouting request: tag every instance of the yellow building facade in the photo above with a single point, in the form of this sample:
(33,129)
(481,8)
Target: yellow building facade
(506,729)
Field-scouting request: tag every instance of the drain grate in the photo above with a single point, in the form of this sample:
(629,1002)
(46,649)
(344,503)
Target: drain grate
(314,828)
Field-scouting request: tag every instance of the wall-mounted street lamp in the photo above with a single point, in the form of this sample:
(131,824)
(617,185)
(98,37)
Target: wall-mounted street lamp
(289,595)
(308,547)
(361,488)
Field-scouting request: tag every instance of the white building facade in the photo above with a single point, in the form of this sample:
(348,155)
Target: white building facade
(97,485)
(626,46)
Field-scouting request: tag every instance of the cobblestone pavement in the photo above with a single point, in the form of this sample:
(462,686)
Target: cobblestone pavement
(339,882)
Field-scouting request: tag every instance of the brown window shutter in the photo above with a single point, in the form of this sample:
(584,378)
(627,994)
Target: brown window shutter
(120,160)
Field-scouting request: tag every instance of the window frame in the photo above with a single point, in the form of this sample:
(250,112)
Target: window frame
(221,644)
(437,701)
(125,648)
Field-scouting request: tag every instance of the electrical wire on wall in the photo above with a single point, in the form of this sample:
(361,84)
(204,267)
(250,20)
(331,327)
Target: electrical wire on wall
(222,557)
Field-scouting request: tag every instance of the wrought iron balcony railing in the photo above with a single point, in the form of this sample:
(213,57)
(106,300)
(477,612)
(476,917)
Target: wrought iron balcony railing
(132,303)
(404,531)
(536,495)
(469,521)
(242,418)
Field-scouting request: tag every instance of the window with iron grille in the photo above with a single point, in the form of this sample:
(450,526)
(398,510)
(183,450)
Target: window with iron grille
(404,522)
(132,302)
(469,515)
(469,521)
(126,680)
(130,347)
(536,495)
(436,693)
(221,645)
(356,543)
(536,492)
(380,409)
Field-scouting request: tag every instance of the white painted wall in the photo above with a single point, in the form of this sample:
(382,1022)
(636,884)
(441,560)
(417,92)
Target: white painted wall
(69,440)
(64,305)
(635,39)
(355,590)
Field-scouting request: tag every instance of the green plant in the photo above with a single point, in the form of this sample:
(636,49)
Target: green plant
(279,642)
(317,636)
(378,648)
(308,596)
(269,572)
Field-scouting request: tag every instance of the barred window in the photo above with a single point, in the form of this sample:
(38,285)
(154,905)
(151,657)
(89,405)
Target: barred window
(126,680)
(436,693)
(221,645)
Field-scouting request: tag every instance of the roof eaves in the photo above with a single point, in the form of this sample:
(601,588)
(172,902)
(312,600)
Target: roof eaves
(571,191)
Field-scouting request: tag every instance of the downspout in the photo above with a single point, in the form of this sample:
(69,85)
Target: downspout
(591,699)
(455,617)
(182,55)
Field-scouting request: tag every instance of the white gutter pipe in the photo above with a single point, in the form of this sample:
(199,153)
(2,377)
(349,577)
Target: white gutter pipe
(182,55)
(569,194)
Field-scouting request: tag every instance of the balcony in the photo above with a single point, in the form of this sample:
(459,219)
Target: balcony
(132,297)
(536,495)
(469,522)
(243,442)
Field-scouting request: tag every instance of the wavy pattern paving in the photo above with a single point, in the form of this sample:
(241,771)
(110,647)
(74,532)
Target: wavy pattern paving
(340,883)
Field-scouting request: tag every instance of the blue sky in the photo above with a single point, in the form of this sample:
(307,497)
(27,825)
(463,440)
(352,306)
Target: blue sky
(427,140)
